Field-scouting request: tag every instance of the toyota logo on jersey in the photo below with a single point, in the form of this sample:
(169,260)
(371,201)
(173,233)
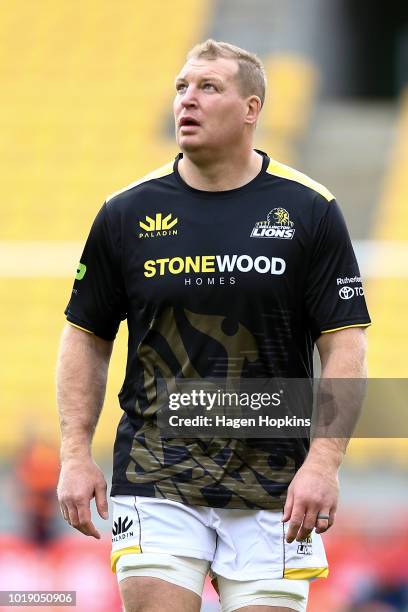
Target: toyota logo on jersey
(348,292)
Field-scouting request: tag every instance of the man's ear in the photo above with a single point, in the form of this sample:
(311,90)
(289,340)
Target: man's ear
(253,109)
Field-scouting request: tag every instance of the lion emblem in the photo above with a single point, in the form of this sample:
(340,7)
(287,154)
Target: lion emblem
(279,216)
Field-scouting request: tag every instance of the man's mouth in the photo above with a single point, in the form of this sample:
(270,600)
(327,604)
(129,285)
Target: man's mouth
(188,122)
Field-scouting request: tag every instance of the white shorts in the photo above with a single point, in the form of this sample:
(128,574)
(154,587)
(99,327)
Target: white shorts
(243,549)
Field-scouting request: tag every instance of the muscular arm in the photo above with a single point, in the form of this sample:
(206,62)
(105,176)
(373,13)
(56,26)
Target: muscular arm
(81,382)
(82,371)
(342,356)
(314,489)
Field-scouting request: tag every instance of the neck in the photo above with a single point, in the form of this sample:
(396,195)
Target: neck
(222,173)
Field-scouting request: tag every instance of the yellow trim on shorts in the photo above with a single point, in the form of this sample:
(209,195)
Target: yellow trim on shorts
(305,573)
(328,331)
(115,556)
(79,327)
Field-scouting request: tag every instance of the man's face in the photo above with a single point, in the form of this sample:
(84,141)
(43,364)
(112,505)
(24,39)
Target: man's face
(209,110)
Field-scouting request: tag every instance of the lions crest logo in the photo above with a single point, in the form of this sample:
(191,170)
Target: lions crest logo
(279,216)
(277,225)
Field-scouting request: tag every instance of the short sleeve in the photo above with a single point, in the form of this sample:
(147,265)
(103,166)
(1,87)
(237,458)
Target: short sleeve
(334,291)
(98,302)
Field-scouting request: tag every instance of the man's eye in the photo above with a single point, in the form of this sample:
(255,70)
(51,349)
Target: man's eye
(181,87)
(209,86)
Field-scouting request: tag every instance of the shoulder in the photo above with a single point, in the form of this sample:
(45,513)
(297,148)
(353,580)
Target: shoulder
(128,191)
(302,181)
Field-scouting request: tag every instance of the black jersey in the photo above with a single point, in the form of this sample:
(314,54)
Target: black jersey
(231,283)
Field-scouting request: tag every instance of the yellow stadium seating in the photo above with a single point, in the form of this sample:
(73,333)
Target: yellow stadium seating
(86,98)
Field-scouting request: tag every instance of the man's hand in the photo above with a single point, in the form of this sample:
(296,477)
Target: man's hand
(314,490)
(81,480)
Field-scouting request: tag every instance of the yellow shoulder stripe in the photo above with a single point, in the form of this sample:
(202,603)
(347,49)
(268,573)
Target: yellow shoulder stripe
(305,573)
(329,331)
(79,327)
(158,173)
(291,174)
(115,556)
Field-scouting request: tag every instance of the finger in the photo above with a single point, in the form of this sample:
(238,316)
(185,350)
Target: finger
(309,523)
(72,514)
(101,500)
(323,525)
(85,524)
(64,512)
(80,521)
(89,529)
(287,510)
(295,523)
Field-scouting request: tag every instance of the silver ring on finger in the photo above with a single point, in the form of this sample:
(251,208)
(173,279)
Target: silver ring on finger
(323,517)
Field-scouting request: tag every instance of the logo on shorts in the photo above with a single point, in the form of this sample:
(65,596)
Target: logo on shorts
(305,547)
(120,529)
(276,225)
(159,226)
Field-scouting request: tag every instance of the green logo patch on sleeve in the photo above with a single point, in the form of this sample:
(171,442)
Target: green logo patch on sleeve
(80,271)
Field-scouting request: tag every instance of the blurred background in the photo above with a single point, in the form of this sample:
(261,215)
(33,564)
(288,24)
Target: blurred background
(86,96)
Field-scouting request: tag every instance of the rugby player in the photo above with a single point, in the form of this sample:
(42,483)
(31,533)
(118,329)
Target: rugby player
(225,263)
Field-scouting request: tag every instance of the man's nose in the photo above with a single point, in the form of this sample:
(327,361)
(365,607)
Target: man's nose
(189,98)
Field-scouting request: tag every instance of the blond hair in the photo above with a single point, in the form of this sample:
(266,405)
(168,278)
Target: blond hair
(251,73)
